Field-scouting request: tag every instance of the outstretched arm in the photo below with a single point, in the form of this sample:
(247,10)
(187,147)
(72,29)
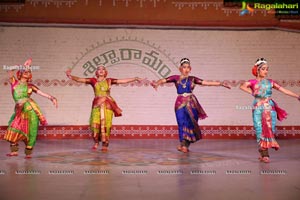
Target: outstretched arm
(215,83)
(128,80)
(52,98)
(245,87)
(289,93)
(75,78)
(155,84)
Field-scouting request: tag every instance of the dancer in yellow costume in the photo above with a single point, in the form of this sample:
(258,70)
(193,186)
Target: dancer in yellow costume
(104,106)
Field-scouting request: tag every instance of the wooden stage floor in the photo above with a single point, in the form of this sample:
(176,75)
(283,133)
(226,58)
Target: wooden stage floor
(142,169)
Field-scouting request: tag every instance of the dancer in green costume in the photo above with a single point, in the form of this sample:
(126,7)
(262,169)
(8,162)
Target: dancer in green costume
(24,123)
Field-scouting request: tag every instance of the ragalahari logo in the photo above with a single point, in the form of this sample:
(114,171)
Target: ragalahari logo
(246,9)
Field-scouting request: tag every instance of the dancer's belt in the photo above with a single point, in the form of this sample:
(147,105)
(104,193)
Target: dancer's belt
(185,94)
(262,98)
(21,101)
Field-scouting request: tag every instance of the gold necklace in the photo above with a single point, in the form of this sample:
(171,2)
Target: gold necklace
(184,84)
(102,88)
(100,80)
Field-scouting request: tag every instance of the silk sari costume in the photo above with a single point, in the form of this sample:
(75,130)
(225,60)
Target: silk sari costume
(103,109)
(23,124)
(265,112)
(187,109)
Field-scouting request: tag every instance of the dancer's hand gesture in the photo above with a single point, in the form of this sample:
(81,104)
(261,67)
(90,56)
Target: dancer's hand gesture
(139,80)
(154,84)
(54,101)
(226,85)
(68,73)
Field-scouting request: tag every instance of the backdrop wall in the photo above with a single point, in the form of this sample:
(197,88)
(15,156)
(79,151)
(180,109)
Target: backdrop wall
(151,54)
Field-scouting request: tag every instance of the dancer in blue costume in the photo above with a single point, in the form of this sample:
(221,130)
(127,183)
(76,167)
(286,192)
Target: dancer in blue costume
(187,108)
(265,109)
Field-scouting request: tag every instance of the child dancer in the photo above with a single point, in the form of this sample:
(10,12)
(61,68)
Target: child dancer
(104,105)
(24,123)
(187,108)
(265,109)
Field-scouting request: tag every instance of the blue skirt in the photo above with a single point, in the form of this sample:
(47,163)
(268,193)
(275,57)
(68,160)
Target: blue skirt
(187,120)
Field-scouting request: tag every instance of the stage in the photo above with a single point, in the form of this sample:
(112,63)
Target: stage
(150,169)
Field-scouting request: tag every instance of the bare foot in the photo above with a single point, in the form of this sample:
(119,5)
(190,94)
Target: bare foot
(179,148)
(183,149)
(12,154)
(104,149)
(266,159)
(95,147)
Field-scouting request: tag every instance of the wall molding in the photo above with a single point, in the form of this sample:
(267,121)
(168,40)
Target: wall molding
(70,83)
(157,132)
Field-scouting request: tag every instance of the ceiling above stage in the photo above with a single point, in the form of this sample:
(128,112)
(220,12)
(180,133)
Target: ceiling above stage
(192,13)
